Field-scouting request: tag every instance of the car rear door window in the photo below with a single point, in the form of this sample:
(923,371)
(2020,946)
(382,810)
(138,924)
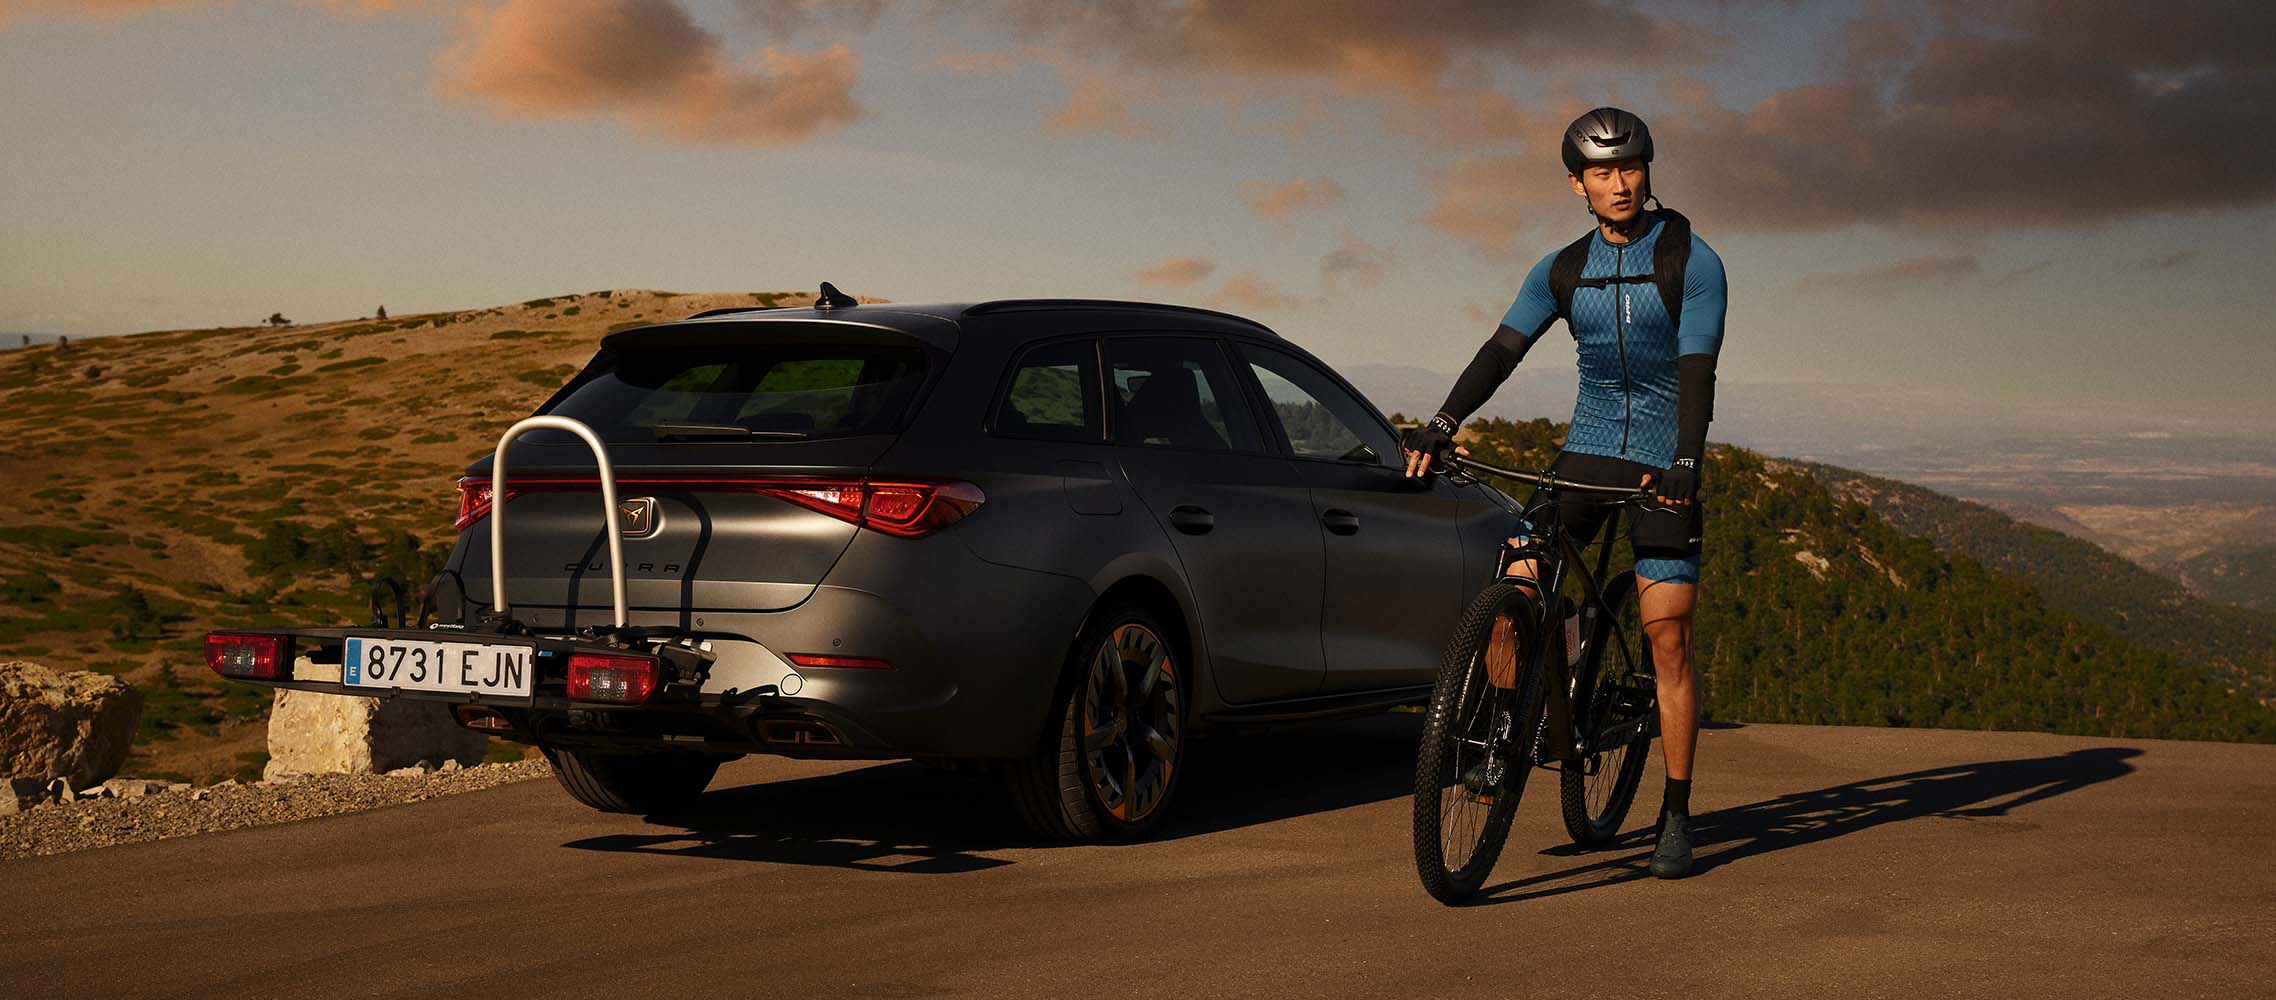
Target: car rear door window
(1178,392)
(1053,392)
(1319,418)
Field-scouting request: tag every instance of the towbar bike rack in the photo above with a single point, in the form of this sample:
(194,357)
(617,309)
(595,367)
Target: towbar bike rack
(498,508)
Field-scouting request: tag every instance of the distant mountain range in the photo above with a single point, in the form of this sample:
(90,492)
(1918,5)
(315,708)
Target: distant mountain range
(2159,490)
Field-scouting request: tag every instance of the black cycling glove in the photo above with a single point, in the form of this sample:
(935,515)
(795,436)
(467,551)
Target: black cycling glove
(1680,482)
(1435,438)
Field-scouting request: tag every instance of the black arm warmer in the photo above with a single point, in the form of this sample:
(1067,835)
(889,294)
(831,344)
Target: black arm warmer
(1694,403)
(1495,360)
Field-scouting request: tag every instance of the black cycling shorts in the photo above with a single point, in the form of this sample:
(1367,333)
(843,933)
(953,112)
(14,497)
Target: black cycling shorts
(1666,540)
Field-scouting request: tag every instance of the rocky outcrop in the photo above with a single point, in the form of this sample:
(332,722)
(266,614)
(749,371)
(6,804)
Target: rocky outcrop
(311,733)
(75,726)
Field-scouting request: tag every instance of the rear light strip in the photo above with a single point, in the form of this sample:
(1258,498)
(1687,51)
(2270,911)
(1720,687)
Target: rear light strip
(830,660)
(902,509)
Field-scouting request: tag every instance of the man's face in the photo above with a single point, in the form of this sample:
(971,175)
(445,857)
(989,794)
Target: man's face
(1615,190)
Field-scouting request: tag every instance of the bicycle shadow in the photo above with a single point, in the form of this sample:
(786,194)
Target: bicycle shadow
(904,818)
(1726,836)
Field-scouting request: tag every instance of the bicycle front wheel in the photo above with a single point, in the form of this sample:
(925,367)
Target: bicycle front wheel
(1615,703)
(1479,743)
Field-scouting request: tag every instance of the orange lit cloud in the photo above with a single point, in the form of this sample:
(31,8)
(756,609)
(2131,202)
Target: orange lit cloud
(648,63)
(1271,201)
(1177,272)
(1247,290)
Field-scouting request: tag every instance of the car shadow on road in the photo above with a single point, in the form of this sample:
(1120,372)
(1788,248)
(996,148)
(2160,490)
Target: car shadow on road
(904,817)
(1966,791)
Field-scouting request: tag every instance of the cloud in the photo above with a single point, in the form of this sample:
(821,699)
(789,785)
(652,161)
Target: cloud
(1269,200)
(2005,113)
(1407,45)
(1096,105)
(1487,201)
(981,64)
(1910,274)
(648,63)
(1176,272)
(8,7)
(787,18)
(1356,262)
(1247,290)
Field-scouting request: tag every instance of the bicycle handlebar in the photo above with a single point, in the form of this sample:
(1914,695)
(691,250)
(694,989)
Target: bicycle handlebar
(1547,481)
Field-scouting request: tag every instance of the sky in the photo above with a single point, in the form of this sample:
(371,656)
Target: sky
(2029,203)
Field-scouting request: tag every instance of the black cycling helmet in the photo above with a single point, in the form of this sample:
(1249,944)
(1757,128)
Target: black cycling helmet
(1604,135)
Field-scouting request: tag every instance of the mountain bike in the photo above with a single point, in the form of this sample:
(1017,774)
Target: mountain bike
(1534,678)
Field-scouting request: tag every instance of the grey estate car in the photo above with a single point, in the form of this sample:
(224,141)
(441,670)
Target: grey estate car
(1054,538)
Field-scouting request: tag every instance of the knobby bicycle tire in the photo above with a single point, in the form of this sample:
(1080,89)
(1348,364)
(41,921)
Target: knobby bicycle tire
(1462,683)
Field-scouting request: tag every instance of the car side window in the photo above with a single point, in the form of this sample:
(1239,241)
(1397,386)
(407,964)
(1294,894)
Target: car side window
(1320,419)
(1178,392)
(1053,392)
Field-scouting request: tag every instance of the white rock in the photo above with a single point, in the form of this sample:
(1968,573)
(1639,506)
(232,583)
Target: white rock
(311,733)
(451,765)
(19,794)
(74,725)
(132,788)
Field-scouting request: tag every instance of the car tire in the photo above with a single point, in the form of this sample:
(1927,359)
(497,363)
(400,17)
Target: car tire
(1114,751)
(632,783)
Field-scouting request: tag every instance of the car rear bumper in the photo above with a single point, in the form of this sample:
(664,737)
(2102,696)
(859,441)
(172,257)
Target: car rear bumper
(970,663)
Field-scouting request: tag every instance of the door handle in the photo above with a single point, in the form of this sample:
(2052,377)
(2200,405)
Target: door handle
(1340,521)
(1192,520)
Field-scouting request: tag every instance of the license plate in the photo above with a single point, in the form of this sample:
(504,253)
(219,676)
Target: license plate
(421,665)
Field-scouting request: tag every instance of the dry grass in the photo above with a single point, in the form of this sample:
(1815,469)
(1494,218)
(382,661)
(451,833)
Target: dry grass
(162,478)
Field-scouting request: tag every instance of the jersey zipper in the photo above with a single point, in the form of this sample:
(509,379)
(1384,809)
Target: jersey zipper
(1620,337)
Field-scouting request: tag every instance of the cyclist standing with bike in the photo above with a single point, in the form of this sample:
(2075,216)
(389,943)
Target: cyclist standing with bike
(1644,299)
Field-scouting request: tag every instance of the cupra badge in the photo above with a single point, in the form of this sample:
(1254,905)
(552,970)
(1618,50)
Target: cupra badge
(637,517)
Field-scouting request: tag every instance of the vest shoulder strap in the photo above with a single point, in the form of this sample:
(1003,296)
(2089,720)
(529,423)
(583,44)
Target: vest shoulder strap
(1565,274)
(1670,256)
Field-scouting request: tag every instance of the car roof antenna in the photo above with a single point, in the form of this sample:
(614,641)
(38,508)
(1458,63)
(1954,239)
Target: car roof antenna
(833,299)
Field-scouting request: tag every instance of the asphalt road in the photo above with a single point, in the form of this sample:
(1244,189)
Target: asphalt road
(1849,863)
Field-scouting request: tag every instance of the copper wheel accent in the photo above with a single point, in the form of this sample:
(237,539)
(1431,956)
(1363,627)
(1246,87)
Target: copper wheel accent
(1129,714)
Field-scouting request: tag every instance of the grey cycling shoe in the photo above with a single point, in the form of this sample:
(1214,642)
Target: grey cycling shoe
(1673,858)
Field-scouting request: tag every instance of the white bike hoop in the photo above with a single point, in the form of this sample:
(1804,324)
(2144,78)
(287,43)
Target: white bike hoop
(608,508)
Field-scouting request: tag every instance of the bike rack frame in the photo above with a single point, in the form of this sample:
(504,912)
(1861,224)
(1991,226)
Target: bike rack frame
(608,508)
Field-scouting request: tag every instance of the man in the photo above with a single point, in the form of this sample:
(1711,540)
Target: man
(1644,300)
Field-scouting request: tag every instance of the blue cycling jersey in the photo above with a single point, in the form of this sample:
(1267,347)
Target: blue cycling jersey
(1628,346)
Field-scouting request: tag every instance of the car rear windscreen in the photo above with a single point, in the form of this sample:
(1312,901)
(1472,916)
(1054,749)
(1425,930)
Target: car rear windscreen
(771,391)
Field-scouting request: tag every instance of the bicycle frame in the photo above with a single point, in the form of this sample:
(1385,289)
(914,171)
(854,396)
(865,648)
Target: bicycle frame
(1553,552)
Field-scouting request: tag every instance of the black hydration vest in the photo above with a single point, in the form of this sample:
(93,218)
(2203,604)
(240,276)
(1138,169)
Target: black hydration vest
(1669,258)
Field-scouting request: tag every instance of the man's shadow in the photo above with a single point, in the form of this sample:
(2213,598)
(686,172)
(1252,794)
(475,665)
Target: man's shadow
(1725,836)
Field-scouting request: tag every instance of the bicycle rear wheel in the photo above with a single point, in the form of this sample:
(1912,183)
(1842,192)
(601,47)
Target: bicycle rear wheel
(1615,704)
(1478,743)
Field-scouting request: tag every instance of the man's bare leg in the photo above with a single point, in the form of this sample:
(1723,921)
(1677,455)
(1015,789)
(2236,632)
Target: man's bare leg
(1666,609)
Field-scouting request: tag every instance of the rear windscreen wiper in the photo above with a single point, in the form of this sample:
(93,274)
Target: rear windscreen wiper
(669,430)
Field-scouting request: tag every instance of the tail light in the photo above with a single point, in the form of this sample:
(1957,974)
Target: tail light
(247,656)
(905,510)
(828,660)
(473,501)
(620,680)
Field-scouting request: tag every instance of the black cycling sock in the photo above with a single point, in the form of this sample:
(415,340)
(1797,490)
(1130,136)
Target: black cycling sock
(1678,799)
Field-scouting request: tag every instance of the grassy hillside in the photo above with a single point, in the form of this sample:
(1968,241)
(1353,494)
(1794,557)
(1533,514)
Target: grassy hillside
(2237,643)
(2245,576)
(182,480)
(1818,610)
